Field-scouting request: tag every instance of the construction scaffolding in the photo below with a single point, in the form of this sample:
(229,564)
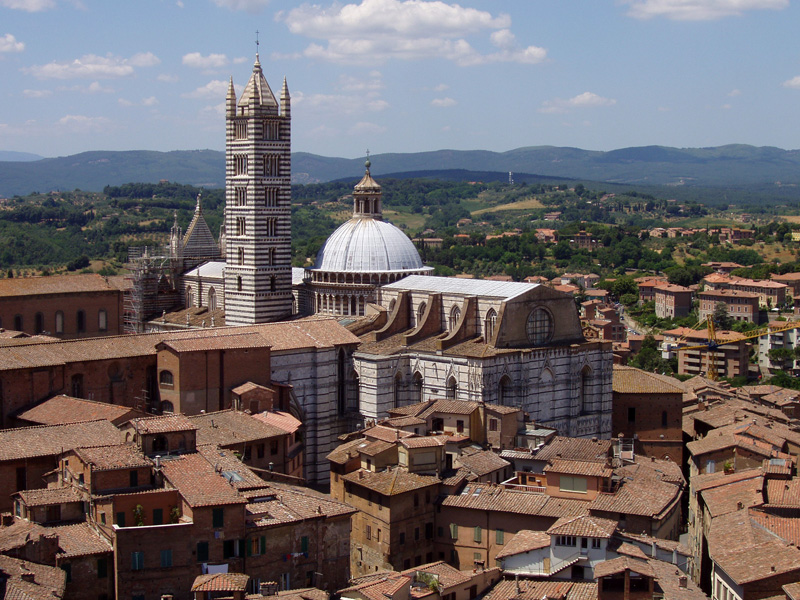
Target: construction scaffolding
(151,286)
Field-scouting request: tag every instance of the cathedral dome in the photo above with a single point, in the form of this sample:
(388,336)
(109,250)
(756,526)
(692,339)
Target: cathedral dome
(367,245)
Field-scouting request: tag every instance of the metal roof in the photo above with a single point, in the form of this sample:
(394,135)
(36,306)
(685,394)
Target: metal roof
(208,269)
(472,287)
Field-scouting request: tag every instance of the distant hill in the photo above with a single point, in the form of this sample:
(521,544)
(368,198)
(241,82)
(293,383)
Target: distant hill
(724,166)
(11,156)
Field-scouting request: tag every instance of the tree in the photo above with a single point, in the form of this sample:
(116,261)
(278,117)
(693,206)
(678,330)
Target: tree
(721,317)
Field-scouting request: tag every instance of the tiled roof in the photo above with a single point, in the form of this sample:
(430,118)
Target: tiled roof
(583,526)
(390,482)
(282,420)
(49,583)
(387,434)
(785,527)
(428,441)
(729,498)
(670,582)
(66,409)
(718,440)
(279,504)
(483,462)
(230,467)
(501,409)
(711,480)
(380,589)
(109,458)
(622,564)
(579,467)
(376,447)
(452,407)
(230,340)
(525,541)
(631,550)
(198,482)
(346,451)
(574,449)
(163,424)
(54,284)
(532,589)
(403,421)
(412,410)
(221,582)
(297,594)
(792,589)
(628,380)
(487,497)
(783,493)
(448,576)
(230,427)
(48,496)
(649,488)
(52,440)
(19,533)
(80,539)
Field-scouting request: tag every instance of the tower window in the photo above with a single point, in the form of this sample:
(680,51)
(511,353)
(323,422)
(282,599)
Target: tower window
(239,283)
(240,164)
(241,256)
(271,196)
(271,165)
(241,130)
(241,196)
(241,226)
(271,227)
(271,130)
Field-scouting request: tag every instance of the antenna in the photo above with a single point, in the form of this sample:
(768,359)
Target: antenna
(256,41)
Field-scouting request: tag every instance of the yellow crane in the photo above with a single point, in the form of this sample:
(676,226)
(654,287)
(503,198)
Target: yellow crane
(714,342)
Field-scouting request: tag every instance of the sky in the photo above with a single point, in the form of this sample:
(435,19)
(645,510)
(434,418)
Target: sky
(402,75)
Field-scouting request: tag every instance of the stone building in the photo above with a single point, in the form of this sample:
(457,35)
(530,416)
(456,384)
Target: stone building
(506,343)
(362,254)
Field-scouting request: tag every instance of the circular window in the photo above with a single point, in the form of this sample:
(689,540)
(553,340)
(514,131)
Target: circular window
(539,326)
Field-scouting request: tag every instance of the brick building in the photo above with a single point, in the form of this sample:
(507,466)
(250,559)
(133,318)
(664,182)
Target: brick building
(672,301)
(742,306)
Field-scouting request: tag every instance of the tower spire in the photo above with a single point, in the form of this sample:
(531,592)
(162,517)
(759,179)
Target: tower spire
(230,100)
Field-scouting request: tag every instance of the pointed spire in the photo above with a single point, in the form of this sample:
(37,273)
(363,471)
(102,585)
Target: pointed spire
(285,100)
(198,209)
(230,101)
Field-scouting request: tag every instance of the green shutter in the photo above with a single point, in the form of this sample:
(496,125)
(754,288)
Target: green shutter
(454,530)
(501,535)
(478,534)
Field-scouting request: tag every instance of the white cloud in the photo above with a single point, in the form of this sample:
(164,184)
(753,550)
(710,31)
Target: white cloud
(198,61)
(216,89)
(363,128)
(584,100)
(441,87)
(698,10)
(251,6)
(240,60)
(151,101)
(37,93)
(82,124)
(794,83)
(373,83)
(93,66)
(378,30)
(179,4)
(734,93)
(443,102)
(28,5)
(167,78)
(8,43)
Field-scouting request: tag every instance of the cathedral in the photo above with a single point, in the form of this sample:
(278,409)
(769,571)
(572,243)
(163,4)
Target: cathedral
(422,337)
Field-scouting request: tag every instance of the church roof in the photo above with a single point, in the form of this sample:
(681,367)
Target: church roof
(199,242)
(211,269)
(257,89)
(367,245)
(474,287)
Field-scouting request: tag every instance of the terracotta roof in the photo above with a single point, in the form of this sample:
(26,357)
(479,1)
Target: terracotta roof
(501,409)
(648,489)
(109,458)
(631,550)
(221,582)
(574,449)
(711,480)
(428,441)
(231,427)
(448,576)
(19,533)
(785,527)
(387,434)
(452,407)
(525,541)
(297,594)
(487,497)
(52,440)
(532,589)
(583,526)
(163,424)
(579,467)
(380,589)
(375,447)
(628,380)
(49,583)
(391,482)
(48,496)
(783,493)
(282,420)
(66,409)
(80,539)
(54,284)
(622,564)
(198,482)
(718,440)
(345,452)
(230,340)
(225,462)
(483,462)
(403,422)
(276,504)
(792,589)
(729,498)
(670,582)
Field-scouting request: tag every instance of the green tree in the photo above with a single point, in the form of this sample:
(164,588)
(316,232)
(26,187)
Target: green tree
(721,317)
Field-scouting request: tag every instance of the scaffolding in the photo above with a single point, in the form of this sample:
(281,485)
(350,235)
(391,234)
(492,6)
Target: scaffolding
(150,286)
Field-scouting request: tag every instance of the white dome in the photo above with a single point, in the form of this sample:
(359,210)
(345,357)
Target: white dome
(367,245)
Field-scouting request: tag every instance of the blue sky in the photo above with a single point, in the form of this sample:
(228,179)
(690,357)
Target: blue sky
(402,75)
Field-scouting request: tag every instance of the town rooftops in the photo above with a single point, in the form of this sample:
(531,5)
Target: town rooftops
(278,504)
(229,427)
(80,539)
(221,582)
(282,420)
(198,482)
(50,496)
(574,449)
(727,294)
(391,481)
(579,467)
(231,340)
(532,589)
(447,575)
(622,564)
(387,434)
(783,493)
(113,457)
(504,290)
(524,541)
(54,284)
(230,467)
(52,440)
(629,380)
(583,526)
(650,489)
(481,496)
(346,451)
(163,424)
(49,583)
(483,462)
(66,409)
(734,496)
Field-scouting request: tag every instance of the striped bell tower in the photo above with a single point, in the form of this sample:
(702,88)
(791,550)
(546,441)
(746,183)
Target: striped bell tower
(258,236)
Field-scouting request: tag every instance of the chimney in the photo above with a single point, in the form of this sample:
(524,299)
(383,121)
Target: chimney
(166,596)
(31,578)
(739,505)
(683,582)
(8,519)
(516,582)
(653,550)
(674,556)
(268,588)
(158,461)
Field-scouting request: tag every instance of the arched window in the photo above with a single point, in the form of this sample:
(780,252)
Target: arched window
(160,444)
(59,322)
(240,253)
(102,320)
(584,391)
(238,283)
(166,378)
(421,312)
(167,407)
(455,315)
(212,299)
(490,325)
(189,297)
(398,383)
(419,387)
(504,390)
(81,320)
(38,323)
(452,388)
(539,326)
(77,386)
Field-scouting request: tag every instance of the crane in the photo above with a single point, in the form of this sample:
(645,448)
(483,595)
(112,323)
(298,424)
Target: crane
(714,342)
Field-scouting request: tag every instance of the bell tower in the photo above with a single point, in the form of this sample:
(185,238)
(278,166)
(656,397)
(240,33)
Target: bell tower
(258,237)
